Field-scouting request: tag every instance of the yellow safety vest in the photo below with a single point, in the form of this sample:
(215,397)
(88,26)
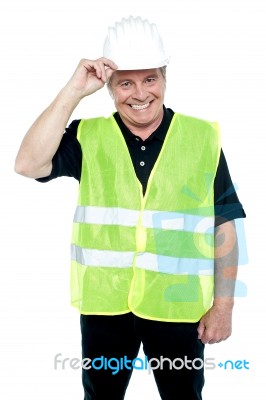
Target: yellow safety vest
(153,254)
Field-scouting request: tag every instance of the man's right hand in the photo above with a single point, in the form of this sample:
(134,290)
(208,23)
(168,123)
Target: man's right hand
(34,158)
(90,76)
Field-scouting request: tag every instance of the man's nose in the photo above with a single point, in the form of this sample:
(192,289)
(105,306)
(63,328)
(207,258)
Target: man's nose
(140,92)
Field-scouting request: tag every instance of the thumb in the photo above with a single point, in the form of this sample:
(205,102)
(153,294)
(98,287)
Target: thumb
(201,329)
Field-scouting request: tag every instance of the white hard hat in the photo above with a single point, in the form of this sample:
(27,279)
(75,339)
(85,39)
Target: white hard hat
(134,43)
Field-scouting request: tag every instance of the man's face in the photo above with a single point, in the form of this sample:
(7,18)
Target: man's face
(139,96)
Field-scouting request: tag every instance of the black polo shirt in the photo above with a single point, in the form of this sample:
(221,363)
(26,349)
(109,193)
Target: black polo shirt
(67,161)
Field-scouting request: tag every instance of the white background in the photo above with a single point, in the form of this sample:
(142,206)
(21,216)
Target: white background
(217,72)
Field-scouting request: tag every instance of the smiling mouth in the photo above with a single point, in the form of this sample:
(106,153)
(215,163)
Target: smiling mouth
(140,107)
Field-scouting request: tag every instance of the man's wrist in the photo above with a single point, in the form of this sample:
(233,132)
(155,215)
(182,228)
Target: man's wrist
(224,302)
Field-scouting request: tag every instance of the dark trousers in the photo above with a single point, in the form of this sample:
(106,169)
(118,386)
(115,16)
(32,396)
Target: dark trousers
(121,336)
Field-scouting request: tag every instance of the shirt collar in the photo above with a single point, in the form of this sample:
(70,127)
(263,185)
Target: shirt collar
(158,134)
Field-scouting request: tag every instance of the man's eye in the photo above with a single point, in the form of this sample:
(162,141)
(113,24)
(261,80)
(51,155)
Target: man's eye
(150,80)
(125,84)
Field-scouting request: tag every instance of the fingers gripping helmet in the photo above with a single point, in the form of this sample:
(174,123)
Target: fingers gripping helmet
(134,43)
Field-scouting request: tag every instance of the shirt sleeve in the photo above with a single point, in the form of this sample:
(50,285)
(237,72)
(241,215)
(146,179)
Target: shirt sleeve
(68,157)
(226,202)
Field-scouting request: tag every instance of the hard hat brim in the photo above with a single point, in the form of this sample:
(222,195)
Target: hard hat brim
(131,66)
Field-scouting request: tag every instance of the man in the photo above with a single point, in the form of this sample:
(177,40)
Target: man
(154,248)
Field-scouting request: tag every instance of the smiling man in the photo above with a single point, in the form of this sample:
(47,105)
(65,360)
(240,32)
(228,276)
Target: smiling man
(154,248)
(139,97)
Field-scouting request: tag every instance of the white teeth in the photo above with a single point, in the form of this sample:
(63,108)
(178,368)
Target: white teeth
(138,107)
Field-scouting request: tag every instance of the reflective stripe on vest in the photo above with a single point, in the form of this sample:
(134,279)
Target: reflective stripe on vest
(151,255)
(150,219)
(102,258)
(152,262)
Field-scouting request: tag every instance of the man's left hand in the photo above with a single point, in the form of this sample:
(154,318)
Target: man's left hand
(216,325)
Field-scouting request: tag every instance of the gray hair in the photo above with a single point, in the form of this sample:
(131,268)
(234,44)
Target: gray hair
(163,72)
